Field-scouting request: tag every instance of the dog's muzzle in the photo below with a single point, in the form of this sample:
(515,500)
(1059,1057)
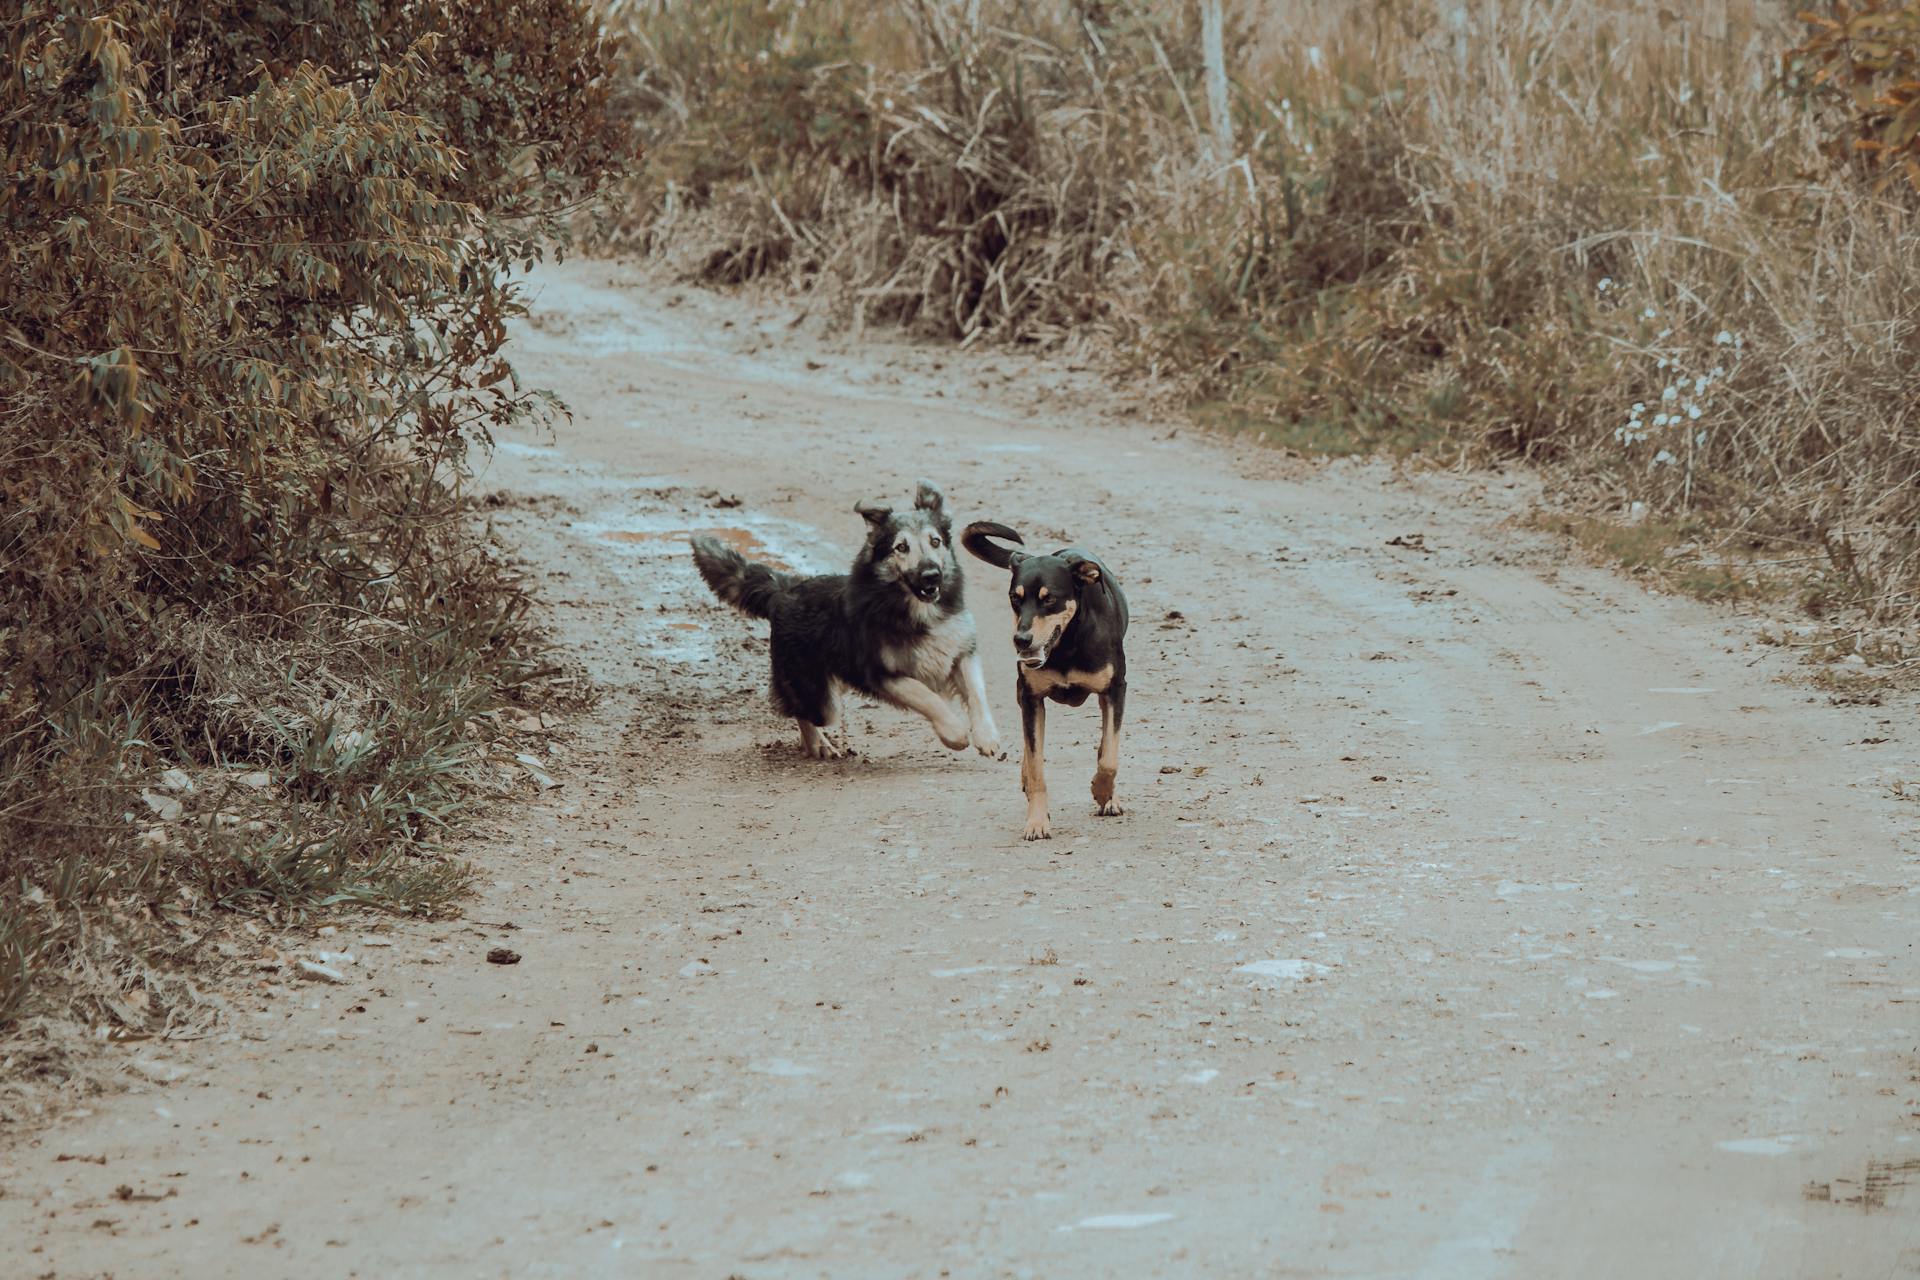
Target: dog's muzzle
(927,585)
(1028,653)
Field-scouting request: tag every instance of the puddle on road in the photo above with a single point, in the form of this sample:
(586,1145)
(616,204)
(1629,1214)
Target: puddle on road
(1777,1146)
(643,537)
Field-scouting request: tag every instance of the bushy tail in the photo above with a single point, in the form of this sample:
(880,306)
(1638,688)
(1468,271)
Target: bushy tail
(747,586)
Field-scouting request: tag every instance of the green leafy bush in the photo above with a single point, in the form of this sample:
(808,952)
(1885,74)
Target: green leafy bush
(1865,56)
(254,279)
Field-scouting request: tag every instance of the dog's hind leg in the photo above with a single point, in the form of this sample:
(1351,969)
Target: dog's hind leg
(1033,764)
(1113,704)
(986,738)
(814,740)
(808,695)
(917,697)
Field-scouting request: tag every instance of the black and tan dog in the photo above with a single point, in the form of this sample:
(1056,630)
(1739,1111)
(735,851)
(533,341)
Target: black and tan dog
(1069,629)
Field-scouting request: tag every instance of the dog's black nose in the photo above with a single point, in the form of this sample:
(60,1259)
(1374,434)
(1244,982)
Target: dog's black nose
(1023,640)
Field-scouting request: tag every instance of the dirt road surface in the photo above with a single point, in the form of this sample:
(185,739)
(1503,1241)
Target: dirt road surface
(1474,914)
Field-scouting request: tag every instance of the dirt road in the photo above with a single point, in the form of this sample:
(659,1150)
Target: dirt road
(1473,914)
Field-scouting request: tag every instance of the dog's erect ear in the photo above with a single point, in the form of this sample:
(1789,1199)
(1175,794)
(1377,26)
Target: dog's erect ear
(975,538)
(874,515)
(927,497)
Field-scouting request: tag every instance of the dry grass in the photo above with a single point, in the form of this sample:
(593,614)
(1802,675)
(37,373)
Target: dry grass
(1501,229)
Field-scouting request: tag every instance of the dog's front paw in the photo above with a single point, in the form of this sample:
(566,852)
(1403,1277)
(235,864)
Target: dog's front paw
(988,745)
(1109,810)
(1037,829)
(953,734)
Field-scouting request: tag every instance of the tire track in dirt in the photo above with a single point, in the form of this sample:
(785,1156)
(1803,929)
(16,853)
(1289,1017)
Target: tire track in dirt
(1474,914)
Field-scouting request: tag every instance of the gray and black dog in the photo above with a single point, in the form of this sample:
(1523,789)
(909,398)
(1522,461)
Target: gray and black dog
(895,627)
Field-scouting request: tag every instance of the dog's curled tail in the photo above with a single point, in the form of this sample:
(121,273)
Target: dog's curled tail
(738,581)
(974,539)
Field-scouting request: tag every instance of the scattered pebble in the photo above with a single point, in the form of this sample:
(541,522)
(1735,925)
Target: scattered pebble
(315,972)
(159,1072)
(503,955)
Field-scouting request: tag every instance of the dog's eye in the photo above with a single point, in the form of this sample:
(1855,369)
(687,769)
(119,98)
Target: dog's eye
(934,542)
(900,549)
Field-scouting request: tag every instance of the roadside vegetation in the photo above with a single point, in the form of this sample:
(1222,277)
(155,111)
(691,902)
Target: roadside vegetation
(258,655)
(1672,253)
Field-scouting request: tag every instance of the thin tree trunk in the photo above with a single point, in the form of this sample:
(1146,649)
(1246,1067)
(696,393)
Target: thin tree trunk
(1214,50)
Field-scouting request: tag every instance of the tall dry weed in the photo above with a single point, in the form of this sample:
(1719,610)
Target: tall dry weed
(1616,238)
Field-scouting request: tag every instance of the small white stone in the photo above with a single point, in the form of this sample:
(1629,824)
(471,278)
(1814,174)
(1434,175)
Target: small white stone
(166,808)
(159,1072)
(320,972)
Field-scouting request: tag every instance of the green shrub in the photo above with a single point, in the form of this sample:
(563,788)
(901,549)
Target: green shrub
(1864,57)
(253,289)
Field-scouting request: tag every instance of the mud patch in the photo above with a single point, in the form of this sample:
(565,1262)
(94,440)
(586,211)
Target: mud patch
(1870,1190)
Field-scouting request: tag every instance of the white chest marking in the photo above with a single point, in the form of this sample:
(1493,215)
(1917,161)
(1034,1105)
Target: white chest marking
(933,657)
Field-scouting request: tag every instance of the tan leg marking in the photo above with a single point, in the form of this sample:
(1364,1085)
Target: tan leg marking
(1033,778)
(916,697)
(1108,764)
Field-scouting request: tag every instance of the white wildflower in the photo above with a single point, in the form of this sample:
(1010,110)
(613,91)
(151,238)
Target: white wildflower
(1693,412)
(1671,393)
(1662,456)
(1722,338)
(1606,283)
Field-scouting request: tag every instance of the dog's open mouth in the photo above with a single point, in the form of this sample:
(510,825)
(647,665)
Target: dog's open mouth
(1032,660)
(928,591)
